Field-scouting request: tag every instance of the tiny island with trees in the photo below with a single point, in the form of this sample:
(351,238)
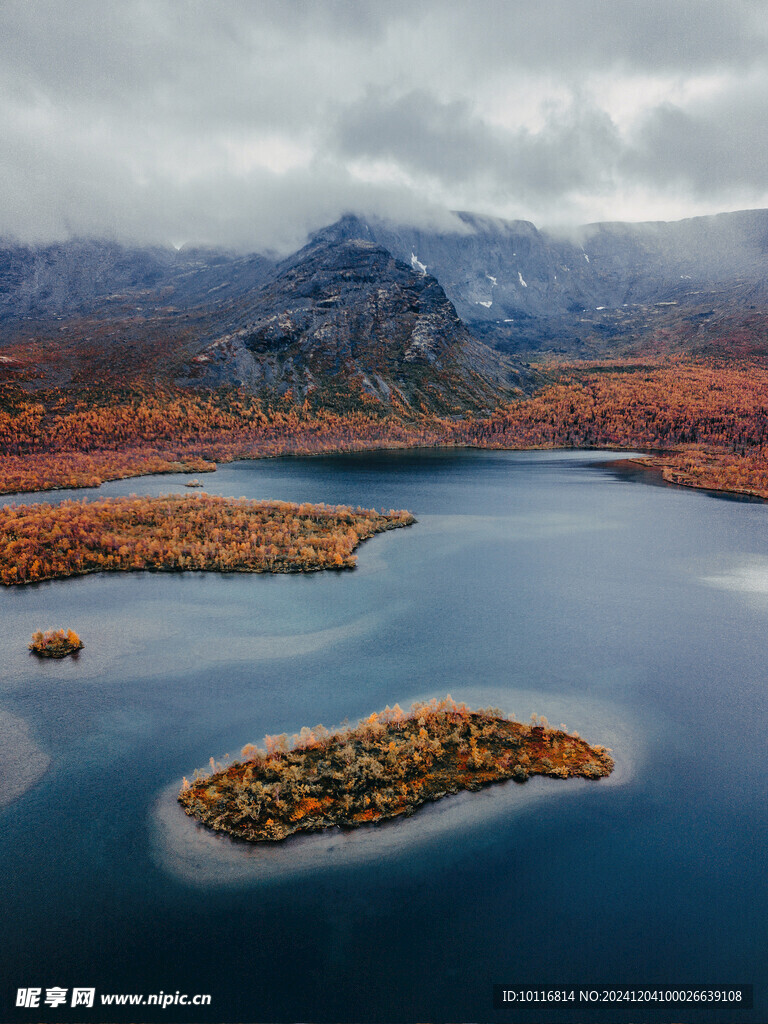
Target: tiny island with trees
(55,643)
(386,766)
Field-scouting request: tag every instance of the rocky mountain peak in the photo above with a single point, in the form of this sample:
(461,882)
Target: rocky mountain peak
(344,312)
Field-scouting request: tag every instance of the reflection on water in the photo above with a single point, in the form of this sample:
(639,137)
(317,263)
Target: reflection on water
(517,527)
(750,577)
(22,762)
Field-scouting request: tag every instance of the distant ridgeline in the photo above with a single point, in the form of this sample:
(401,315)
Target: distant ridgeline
(520,287)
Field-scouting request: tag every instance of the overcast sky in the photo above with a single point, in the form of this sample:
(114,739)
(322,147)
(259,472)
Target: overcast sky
(248,123)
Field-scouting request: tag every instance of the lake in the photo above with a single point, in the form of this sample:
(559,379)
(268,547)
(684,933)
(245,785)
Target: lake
(543,582)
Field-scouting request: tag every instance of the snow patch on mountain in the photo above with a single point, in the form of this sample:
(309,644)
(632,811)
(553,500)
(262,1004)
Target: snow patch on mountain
(417,264)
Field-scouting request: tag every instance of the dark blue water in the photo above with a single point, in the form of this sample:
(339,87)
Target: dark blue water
(532,581)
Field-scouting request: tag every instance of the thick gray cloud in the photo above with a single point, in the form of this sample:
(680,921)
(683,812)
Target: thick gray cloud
(448,143)
(719,146)
(248,123)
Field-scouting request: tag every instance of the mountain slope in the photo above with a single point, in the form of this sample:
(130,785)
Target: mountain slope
(344,319)
(84,277)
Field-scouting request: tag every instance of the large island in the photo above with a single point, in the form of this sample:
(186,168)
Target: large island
(175,533)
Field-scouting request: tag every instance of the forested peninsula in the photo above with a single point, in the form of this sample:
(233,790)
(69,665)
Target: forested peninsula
(175,533)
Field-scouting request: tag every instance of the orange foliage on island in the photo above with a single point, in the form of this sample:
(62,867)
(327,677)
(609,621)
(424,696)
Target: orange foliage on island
(176,532)
(384,767)
(55,643)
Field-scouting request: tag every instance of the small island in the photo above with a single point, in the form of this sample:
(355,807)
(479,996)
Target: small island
(55,643)
(384,767)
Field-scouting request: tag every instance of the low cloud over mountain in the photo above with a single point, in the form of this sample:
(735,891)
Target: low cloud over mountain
(249,125)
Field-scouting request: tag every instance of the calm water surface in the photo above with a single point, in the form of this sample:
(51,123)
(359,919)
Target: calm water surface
(534,582)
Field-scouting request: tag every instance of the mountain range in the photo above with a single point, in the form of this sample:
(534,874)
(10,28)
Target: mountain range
(592,289)
(443,321)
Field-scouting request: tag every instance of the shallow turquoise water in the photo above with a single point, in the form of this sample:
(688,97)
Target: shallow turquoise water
(532,581)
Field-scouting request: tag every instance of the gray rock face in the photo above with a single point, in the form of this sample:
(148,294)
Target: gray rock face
(348,313)
(352,300)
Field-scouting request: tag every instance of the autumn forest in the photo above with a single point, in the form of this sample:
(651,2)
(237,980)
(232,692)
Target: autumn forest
(176,533)
(705,421)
